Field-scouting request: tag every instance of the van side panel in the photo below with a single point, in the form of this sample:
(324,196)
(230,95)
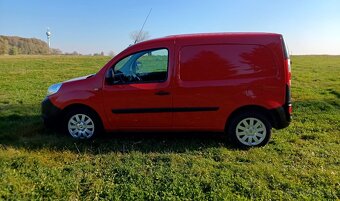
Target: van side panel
(225,62)
(225,77)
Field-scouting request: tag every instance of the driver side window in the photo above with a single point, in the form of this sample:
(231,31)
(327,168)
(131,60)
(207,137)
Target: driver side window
(142,67)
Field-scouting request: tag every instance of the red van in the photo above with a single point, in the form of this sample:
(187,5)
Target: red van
(238,83)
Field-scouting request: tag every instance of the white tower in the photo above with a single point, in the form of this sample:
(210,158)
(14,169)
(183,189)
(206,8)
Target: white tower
(48,34)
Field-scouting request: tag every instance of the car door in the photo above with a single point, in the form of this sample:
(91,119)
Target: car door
(139,95)
(199,92)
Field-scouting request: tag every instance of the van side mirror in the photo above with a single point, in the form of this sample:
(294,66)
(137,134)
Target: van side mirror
(109,77)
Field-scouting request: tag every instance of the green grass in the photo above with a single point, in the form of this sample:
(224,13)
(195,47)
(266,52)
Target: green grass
(301,162)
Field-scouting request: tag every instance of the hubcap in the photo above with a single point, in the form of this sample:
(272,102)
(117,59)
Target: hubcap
(81,126)
(251,131)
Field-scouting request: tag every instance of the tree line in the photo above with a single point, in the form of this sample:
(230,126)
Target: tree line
(14,45)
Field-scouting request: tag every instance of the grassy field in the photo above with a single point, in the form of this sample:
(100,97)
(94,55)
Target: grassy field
(301,162)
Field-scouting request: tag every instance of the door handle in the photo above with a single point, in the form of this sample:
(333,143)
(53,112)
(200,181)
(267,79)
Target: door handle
(162,93)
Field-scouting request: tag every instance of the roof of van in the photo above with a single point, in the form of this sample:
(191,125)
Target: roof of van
(225,36)
(203,35)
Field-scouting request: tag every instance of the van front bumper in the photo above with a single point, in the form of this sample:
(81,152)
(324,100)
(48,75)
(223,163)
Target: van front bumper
(50,113)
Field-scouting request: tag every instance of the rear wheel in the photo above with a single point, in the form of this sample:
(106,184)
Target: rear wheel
(249,129)
(82,123)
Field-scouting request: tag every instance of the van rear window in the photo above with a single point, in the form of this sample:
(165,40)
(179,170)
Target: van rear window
(221,62)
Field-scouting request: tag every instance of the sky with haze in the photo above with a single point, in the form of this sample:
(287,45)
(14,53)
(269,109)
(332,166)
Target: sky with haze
(308,26)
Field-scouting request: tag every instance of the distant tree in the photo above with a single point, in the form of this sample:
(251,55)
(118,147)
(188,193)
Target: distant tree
(56,51)
(17,45)
(111,53)
(101,53)
(13,51)
(139,36)
(3,46)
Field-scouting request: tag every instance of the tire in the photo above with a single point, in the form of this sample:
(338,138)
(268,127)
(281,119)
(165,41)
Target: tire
(249,129)
(82,123)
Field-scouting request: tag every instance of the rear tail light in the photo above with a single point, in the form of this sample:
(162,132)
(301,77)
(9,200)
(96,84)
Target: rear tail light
(287,62)
(288,67)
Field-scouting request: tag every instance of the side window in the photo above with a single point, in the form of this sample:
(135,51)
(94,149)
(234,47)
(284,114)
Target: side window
(142,67)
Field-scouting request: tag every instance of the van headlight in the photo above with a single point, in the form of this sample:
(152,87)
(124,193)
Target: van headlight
(54,88)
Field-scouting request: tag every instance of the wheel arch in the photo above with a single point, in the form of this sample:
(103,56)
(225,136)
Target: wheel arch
(253,108)
(81,106)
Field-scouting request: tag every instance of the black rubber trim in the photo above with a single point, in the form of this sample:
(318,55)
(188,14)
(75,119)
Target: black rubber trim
(281,118)
(162,110)
(49,112)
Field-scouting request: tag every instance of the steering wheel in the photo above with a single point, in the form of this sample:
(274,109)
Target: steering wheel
(136,77)
(118,74)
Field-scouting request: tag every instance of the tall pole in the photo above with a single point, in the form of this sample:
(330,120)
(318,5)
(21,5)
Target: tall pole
(48,34)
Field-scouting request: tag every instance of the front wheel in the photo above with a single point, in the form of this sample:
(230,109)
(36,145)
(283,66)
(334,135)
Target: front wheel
(249,129)
(81,124)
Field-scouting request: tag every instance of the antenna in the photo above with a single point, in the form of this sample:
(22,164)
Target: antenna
(142,26)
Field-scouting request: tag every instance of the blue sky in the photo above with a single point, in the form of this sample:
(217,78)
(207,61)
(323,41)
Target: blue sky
(309,26)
